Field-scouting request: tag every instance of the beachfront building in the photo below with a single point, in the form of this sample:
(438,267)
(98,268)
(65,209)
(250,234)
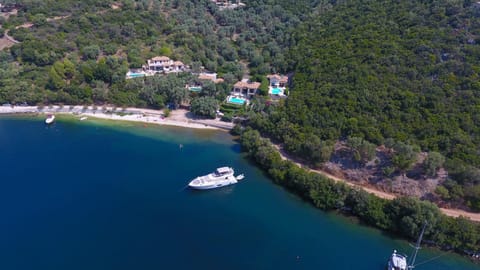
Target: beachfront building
(163,64)
(277,84)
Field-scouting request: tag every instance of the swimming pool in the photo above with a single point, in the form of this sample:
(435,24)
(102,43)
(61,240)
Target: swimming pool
(195,88)
(276,91)
(236,100)
(136,75)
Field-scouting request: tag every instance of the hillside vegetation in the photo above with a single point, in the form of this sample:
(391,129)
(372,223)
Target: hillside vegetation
(403,216)
(390,88)
(404,74)
(79,51)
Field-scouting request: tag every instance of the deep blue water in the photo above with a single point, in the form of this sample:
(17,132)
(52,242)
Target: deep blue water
(83,195)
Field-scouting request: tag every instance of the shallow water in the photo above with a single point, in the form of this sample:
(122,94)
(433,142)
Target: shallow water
(103,195)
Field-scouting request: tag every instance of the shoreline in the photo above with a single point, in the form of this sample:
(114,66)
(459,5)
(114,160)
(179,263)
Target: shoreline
(452,212)
(178,118)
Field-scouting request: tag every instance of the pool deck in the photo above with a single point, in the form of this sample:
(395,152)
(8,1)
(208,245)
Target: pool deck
(141,74)
(231,98)
(276,91)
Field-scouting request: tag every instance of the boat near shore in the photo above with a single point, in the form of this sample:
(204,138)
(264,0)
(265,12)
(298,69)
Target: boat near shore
(399,262)
(50,119)
(221,177)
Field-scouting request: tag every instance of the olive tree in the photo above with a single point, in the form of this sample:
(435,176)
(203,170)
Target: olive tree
(204,106)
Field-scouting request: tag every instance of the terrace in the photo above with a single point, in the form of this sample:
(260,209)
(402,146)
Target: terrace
(137,73)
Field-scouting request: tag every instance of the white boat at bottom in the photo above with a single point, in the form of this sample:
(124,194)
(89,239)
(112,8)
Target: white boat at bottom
(50,119)
(221,177)
(397,262)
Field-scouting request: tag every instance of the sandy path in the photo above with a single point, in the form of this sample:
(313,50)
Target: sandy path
(5,42)
(378,193)
(10,38)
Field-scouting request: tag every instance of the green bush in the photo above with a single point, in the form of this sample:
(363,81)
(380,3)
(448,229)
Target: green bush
(404,216)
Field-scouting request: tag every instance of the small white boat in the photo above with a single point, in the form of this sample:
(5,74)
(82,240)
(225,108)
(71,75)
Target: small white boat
(50,119)
(399,262)
(221,177)
(83,118)
(240,177)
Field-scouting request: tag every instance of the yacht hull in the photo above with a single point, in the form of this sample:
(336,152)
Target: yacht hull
(221,177)
(224,183)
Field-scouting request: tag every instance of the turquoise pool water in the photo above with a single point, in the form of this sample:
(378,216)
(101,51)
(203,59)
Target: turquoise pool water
(195,89)
(136,75)
(236,100)
(276,91)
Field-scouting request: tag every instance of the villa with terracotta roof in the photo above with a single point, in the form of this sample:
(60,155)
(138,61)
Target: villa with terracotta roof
(277,84)
(163,64)
(246,89)
(158,64)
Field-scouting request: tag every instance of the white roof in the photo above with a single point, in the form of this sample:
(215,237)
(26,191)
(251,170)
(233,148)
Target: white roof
(223,169)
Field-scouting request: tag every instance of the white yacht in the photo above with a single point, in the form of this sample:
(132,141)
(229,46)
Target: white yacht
(221,177)
(397,262)
(50,119)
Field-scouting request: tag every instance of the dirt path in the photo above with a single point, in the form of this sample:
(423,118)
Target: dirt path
(10,38)
(8,41)
(5,42)
(385,195)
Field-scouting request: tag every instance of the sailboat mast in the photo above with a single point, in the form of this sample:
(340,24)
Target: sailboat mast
(417,247)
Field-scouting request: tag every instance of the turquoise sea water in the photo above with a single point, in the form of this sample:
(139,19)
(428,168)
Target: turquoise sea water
(83,195)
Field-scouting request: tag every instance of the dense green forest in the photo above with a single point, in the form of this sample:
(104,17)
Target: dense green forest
(79,51)
(404,74)
(404,216)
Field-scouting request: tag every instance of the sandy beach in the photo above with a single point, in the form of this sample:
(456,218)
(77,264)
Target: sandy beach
(179,118)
